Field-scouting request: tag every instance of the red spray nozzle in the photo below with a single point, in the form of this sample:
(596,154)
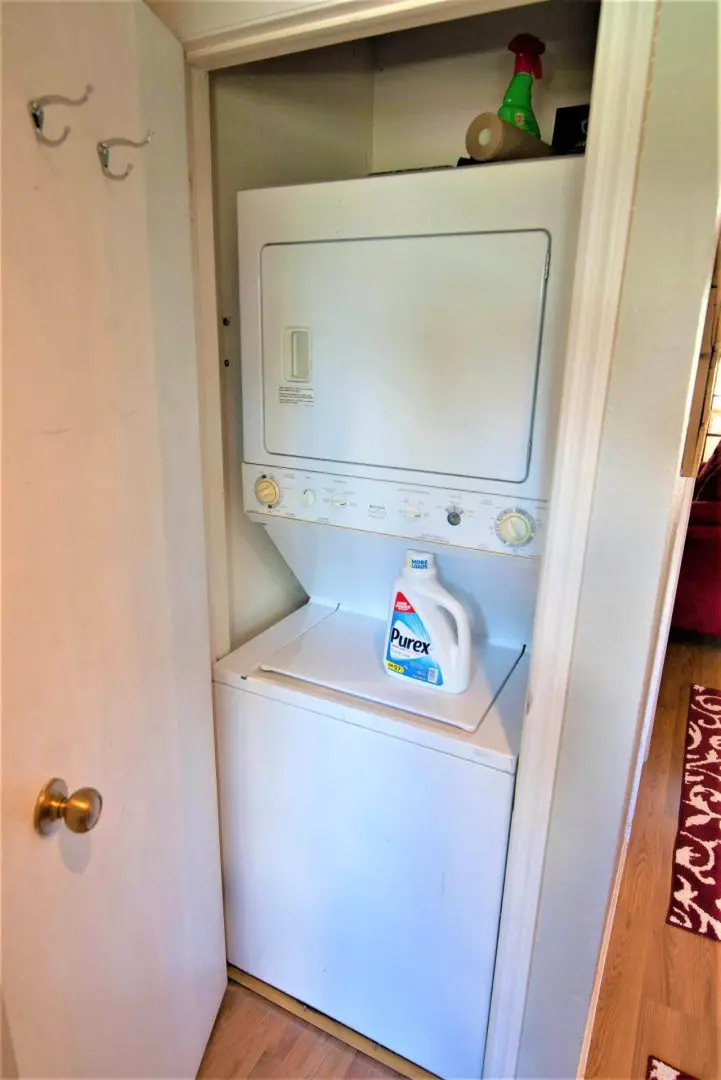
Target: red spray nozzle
(529,50)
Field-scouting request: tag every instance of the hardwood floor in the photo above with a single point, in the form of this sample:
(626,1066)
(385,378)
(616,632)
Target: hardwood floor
(661,989)
(253,1037)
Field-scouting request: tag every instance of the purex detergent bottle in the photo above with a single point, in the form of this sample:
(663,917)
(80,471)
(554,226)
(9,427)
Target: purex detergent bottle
(424,645)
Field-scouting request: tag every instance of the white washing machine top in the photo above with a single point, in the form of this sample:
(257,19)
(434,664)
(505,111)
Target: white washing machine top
(328,660)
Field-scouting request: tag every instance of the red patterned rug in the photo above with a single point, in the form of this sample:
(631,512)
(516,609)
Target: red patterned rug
(696,886)
(659,1070)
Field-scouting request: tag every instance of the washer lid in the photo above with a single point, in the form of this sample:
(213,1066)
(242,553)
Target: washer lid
(495,743)
(343,652)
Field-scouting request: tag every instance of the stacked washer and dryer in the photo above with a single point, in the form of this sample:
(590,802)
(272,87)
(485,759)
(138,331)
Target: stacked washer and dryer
(402,349)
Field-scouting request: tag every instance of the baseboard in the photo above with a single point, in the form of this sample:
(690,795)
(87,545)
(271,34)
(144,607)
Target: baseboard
(330,1027)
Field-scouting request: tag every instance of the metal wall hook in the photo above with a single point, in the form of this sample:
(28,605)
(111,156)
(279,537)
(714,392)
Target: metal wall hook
(106,146)
(36,108)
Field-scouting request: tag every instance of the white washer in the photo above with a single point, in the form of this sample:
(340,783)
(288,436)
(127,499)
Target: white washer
(364,847)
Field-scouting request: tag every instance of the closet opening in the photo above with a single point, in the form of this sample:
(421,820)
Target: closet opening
(393,320)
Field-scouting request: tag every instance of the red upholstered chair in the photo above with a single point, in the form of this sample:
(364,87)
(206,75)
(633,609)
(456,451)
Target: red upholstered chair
(698,598)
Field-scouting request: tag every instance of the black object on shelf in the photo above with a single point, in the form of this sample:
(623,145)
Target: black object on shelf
(570,129)
(517,161)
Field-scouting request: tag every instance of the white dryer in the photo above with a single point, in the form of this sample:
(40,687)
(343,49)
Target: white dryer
(408,329)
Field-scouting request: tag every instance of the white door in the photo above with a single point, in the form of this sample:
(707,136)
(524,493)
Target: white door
(112,947)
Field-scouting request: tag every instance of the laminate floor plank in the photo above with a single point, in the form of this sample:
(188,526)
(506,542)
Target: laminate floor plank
(254,1039)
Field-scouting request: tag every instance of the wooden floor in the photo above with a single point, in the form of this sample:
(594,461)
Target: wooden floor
(255,1038)
(661,989)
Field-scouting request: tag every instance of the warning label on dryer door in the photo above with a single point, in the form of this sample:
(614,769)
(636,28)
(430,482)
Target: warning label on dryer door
(296,395)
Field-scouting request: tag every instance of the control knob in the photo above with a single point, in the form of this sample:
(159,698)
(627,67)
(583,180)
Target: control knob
(267,491)
(515,527)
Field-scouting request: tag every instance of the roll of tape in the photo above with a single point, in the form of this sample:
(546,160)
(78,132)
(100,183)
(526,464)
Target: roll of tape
(491,139)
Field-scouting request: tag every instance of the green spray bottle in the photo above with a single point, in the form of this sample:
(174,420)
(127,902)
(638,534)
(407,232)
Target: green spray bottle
(517,108)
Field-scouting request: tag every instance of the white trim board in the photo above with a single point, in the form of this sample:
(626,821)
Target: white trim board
(626,40)
(624,44)
(208,354)
(658,326)
(314,25)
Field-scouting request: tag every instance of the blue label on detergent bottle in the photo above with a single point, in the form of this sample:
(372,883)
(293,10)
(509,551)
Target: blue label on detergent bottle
(409,646)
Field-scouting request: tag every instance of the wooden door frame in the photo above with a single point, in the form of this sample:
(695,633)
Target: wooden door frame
(208,352)
(625,43)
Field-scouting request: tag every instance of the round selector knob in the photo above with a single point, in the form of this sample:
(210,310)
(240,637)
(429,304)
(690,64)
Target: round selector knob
(267,491)
(516,528)
(339,499)
(454,515)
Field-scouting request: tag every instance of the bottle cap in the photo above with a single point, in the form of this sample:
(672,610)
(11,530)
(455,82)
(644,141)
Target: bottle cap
(528,49)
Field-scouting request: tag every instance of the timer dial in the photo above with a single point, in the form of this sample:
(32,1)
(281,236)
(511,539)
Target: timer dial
(515,527)
(267,491)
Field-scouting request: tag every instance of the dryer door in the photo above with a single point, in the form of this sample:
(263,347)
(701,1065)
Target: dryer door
(416,353)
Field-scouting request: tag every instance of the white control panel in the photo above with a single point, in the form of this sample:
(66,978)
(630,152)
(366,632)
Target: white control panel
(438,515)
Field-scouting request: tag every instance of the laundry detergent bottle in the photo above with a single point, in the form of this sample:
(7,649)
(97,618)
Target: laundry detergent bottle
(429,636)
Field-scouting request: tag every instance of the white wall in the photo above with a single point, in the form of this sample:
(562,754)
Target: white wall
(637,493)
(432,81)
(296,119)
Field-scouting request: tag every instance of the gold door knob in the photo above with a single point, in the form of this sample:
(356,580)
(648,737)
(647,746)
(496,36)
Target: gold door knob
(80,811)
